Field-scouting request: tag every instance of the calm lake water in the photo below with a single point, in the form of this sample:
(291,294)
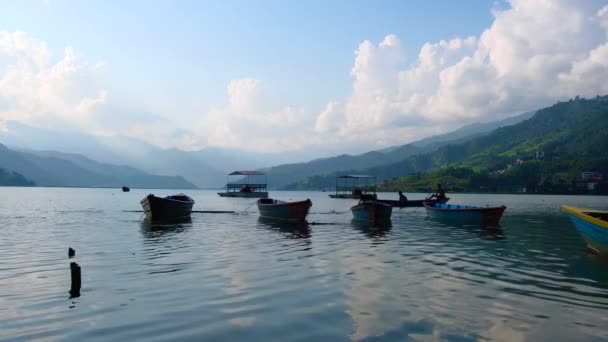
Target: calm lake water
(235,277)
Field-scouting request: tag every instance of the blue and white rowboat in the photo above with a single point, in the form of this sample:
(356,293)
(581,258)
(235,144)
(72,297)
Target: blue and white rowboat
(465,214)
(592,225)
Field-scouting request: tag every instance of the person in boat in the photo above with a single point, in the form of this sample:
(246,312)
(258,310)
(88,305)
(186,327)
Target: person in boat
(246,188)
(440,194)
(402,197)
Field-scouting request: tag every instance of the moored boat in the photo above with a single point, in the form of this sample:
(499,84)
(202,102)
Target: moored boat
(249,184)
(170,208)
(592,225)
(125,189)
(372,211)
(285,211)
(465,214)
(354,186)
(411,203)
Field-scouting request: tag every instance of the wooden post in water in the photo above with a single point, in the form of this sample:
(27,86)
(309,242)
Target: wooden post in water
(75,273)
(71,252)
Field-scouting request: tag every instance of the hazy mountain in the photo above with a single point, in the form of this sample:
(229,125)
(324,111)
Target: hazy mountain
(11,178)
(207,168)
(47,168)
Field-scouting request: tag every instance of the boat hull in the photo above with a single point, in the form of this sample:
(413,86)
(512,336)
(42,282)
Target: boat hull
(372,211)
(593,230)
(164,209)
(410,203)
(244,194)
(284,211)
(460,214)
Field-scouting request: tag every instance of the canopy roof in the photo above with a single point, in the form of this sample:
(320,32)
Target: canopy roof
(356,176)
(246,173)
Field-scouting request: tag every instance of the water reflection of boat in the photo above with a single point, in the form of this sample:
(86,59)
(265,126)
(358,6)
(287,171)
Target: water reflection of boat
(377,229)
(592,225)
(154,229)
(298,230)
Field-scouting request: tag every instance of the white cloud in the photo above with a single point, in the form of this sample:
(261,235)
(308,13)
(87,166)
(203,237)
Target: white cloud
(535,53)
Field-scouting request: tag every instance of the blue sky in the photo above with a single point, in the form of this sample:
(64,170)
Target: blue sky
(303,50)
(339,76)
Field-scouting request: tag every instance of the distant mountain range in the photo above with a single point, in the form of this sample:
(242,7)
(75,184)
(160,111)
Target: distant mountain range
(205,168)
(47,168)
(552,146)
(320,173)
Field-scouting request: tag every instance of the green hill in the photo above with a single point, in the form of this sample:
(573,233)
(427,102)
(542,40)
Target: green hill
(569,137)
(313,174)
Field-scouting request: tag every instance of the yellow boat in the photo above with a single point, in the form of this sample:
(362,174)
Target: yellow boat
(592,225)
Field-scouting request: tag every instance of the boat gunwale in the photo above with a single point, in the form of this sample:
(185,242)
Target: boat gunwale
(167,199)
(283,203)
(581,213)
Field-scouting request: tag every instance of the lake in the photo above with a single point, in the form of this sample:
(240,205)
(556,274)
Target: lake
(235,277)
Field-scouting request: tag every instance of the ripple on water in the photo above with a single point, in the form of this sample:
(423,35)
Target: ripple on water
(238,277)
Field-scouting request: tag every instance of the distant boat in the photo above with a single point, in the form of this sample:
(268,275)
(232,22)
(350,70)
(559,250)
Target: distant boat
(354,186)
(170,208)
(286,211)
(592,225)
(372,211)
(465,214)
(411,203)
(245,188)
(125,189)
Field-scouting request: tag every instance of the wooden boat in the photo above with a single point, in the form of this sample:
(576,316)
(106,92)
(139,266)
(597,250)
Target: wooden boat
(286,211)
(592,225)
(465,214)
(411,203)
(125,189)
(372,211)
(243,187)
(354,186)
(170,208)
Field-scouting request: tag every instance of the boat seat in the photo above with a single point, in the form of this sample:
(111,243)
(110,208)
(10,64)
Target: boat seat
(266,201)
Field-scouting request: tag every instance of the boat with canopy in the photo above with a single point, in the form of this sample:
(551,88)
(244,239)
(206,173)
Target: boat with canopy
(353,186)
(250,184)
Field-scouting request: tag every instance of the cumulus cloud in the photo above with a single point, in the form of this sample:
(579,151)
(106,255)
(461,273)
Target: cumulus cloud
(33,89)
(248,121)
(70,93)
(533,54)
